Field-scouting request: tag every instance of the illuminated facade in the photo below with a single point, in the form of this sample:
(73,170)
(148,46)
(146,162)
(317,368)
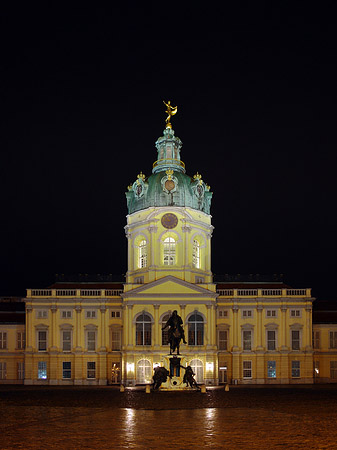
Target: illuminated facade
(108,333)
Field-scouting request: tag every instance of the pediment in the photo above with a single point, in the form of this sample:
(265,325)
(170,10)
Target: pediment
(170,286)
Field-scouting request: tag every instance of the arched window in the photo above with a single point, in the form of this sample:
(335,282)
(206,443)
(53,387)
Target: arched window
(169,251)
(142,254)
(143,329)
(198,369)
(196,254)
(164,333)
(196,329)
(144,371)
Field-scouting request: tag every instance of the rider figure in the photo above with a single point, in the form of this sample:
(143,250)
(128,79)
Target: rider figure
(175,322)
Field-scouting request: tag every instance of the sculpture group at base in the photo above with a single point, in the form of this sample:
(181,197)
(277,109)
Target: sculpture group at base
(161,374)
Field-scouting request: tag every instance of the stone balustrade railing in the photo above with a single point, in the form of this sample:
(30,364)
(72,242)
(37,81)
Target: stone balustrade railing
(264,292)
(54,293)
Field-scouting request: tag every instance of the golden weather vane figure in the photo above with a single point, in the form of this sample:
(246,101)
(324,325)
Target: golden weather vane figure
(171,111)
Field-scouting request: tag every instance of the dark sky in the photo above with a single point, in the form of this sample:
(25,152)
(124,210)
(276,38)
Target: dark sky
(82,100)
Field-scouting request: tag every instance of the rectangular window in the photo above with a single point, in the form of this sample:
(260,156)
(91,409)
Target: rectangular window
(223,339)
(42,370)
(271,367)
(21,340)
(66,369)
(223,313)
(115,340)
(271,339)
(42,341)
(21,370)
(41,314)
(115,314)
(295,313)
(247,369)
(90,314)
(91,370)
(246,313)
(199,280)
(66,341)
(316,337)
(333,339)
(333,370)
(271,313)
(3,371)
(66,314)
(247,339)
(295,369)
(295,340)
(91,339)
(3,340)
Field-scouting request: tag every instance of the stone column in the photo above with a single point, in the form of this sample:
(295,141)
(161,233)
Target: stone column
(284,331)
(308,311)
(126,325)
(259,337)
(29,329)
(103,330)
(209,325)
(156,326)
(235,309)
(130,318)
(78,346)
(53,346)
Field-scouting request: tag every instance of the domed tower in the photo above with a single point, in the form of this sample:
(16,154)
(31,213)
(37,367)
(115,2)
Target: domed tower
(169,223)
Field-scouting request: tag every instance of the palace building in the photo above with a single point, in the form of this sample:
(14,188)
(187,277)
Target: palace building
(84,332)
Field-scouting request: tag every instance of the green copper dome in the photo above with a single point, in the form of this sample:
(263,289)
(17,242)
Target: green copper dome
(169,185)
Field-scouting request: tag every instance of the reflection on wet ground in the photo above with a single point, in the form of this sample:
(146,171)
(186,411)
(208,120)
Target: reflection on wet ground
(104,418)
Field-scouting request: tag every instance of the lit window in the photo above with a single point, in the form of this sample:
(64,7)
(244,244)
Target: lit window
(66,369)
(90,314)
(142,254)
(333,370)
(21,370)
(196,330)
(91,369)
(115,372)
(165,333)
(196,254)
(91,341)
(271,366)
(3,371)
(295,339)
(41,314)
(316,337)
(66,341)
(42,370)
(115,339)
(169,251)
(333,339)
(3,340)
(247,339)
(143,330)
(271,339)
(295,369)
(42,341)
(247,369)
(223,339)
(21,340)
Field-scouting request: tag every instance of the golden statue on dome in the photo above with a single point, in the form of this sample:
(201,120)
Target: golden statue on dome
(171,111)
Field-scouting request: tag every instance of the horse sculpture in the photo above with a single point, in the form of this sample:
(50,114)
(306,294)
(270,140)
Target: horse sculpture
(176,332)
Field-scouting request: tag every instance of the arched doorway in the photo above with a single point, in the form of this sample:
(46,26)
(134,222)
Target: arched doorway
(198,369)
(144,371)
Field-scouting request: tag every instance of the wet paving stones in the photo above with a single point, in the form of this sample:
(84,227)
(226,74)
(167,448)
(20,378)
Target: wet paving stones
(104,418)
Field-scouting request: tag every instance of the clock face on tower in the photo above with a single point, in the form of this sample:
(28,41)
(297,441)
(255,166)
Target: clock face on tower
(169,220)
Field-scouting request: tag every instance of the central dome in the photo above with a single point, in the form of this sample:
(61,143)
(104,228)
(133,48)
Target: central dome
(169,185)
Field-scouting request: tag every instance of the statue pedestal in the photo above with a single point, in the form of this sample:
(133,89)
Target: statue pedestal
(173,364)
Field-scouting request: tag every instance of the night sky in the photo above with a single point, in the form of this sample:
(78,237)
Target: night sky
(82,99)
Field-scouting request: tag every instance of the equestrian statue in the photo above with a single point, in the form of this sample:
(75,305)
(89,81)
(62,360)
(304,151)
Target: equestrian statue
(175,332)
